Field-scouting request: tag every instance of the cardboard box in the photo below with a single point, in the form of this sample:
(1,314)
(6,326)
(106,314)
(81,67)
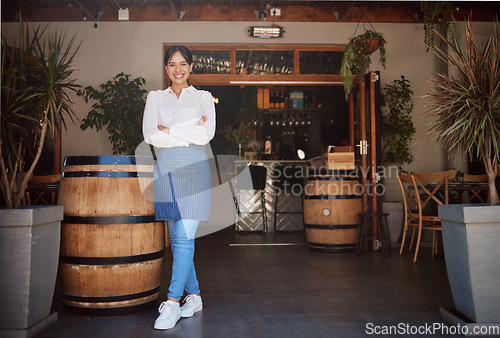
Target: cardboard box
(341,161)
(260,98)
(297,99)
(266,104)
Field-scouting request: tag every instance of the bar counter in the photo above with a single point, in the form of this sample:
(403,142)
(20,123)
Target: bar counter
(284,210)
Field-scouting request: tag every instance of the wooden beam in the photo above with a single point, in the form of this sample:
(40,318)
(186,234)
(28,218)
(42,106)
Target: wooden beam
(117,4)
(177,14)
(261,12)
(322,12)
(87,12)
(343,9)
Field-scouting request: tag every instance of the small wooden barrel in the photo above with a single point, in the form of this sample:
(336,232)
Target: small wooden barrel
(332,202)
(111,246)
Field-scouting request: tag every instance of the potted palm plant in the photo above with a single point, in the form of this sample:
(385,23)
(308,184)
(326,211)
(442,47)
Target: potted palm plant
(35,87)
(466,111)
(357,56)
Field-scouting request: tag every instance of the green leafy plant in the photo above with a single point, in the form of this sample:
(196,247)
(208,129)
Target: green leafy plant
(466,104)
(432,10)
(248,104)
(242,135)
(119,107)
(357,56)
(36,82)
(396,124)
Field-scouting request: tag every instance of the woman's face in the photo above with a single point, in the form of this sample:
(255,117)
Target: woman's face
(178,69)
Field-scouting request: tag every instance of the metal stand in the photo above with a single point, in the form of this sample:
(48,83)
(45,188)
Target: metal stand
(382,234)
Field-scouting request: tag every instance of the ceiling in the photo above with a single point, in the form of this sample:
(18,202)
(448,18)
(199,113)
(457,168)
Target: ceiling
(238,10)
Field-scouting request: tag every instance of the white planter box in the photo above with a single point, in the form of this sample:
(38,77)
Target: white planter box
(29,257)
(471,235)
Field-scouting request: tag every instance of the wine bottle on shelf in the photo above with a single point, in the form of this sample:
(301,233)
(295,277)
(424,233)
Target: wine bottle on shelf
(282,99)
(314,104)
(267,153)
(272,99)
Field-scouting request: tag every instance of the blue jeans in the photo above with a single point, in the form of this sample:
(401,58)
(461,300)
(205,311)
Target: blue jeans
(182,234)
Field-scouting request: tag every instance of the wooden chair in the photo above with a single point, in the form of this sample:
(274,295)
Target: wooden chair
(411,215)
(44,189)
(474,194)
(427,187)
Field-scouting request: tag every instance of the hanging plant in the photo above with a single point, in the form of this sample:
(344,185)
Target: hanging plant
(357,56)
(432,10)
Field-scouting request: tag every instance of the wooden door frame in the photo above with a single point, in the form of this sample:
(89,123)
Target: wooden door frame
(368,165)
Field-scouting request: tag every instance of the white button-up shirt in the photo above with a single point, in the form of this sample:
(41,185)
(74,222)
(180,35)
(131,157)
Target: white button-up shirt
(181,115)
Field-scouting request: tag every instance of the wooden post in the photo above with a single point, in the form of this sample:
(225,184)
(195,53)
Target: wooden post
(351,120)
(57,149)
(362,122)
(373,156)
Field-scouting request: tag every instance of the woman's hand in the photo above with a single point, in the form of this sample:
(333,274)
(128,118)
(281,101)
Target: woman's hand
(164,129)
(203,119)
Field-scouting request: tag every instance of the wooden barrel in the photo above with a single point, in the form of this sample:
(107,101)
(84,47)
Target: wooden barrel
(332,202)
(111,247)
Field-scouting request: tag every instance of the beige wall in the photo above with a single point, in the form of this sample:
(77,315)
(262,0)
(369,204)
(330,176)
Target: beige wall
(136,48)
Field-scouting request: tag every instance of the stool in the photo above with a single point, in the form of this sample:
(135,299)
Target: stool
(382,233)
(258,176)
(286,177)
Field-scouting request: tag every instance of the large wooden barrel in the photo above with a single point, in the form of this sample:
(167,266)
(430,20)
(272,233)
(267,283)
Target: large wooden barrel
(332,202)
(111,246)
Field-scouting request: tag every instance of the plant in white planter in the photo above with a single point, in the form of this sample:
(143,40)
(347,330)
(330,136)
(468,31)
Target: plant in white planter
(34,96)
(466,103)
(36,81)
(466,108)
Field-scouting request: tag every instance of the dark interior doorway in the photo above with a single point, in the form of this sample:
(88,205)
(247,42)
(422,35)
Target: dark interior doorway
(309,129)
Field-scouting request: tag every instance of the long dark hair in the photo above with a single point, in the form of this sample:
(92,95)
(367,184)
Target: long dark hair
(186,54)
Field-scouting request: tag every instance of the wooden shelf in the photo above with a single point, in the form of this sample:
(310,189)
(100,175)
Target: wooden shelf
(297,78)
(298,110)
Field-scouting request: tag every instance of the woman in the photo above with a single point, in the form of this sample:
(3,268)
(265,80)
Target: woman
(180,121)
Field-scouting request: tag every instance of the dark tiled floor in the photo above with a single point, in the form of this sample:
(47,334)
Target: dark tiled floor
(288,291)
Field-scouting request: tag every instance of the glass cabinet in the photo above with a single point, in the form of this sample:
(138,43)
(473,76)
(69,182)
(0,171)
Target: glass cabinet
(265,65)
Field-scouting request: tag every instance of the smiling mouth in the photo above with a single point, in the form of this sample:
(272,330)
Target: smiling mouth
(179,76)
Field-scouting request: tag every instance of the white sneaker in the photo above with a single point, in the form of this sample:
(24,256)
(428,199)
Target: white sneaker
(192,304)
(169,316)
